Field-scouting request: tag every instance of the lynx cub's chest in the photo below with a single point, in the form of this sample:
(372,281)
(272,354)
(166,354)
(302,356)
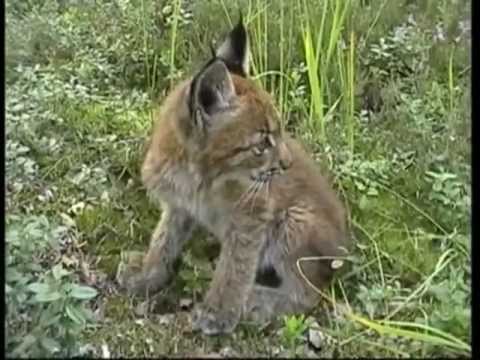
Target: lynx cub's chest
(182,188)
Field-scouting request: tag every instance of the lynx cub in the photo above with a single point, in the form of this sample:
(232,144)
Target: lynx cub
(219,158)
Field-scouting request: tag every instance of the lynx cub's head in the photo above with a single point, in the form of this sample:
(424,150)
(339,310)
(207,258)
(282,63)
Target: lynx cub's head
(229,124)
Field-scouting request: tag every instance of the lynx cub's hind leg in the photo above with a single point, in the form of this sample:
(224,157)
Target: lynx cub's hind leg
(168,238)
(294,295)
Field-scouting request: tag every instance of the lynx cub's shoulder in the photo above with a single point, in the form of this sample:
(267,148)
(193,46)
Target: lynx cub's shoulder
(218,158)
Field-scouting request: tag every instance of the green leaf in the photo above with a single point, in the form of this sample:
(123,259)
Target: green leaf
(83,292)
(75,314)
(360,186)
(13,274)
(49,318)
(363,203)
(58,272)
(50,344)
(47,296)
(27,342)
(394,328)
(39,288)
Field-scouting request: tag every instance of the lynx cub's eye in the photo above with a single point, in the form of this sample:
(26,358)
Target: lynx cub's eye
(263,146)
(257,151)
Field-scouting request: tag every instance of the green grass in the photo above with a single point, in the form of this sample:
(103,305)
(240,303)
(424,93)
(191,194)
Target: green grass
(378,90)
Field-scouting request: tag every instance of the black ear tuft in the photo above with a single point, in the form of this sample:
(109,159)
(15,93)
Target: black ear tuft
(235,50)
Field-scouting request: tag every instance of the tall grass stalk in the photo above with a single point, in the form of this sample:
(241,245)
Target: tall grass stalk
(351,95)
(256,18)
(265,43)
(321,53)
(282,58)
(151,77)
(375,20)
(173,39)
(145,43)
(420,332)
(428,335)
(337,25)
(253,21)
(290,47)
(227,13)
(259,48)
(315,81)
(450,81)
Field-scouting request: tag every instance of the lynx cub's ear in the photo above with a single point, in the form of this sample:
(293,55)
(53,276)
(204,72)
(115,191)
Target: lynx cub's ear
(235,50)
(212,92)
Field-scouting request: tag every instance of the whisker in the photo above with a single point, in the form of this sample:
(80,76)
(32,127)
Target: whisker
(254,192)
(259,190)
(245,195)
(254,197)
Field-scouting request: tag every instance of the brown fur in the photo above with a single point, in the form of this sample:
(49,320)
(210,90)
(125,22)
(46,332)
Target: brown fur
(219,158)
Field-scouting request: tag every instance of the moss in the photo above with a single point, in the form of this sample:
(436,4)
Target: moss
(108,230)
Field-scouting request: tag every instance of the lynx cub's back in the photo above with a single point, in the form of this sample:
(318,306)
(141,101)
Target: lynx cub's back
(219,158)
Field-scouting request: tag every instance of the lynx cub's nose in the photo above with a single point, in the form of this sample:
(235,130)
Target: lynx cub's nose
(285,157)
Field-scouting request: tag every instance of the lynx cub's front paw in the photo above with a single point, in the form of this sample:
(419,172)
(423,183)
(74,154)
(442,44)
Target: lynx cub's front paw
(214,322)
(140,277)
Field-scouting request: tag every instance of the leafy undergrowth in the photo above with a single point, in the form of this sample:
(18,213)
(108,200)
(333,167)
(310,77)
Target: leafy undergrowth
(80,83)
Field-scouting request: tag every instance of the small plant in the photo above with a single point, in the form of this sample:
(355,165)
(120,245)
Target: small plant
(46,308)
(195,275)
(448,190)
(293,329)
